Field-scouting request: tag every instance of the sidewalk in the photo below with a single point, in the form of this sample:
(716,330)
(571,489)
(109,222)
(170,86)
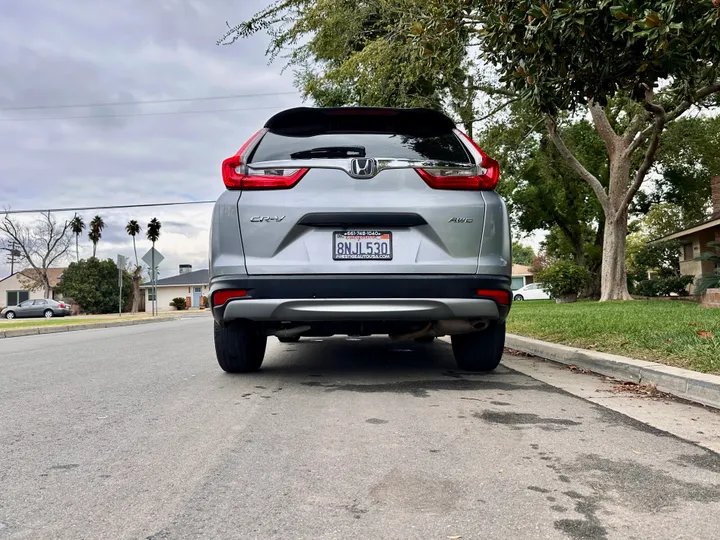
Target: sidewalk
(683,383)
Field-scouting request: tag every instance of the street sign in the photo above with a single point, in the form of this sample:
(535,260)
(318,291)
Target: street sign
(148,257)
(153,258)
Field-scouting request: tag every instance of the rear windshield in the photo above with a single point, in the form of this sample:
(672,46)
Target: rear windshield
(445,147)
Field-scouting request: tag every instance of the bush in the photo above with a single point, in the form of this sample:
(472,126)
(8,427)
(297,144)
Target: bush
(709,281)
(664,286)
(93,284)
(564,278)
(179,303)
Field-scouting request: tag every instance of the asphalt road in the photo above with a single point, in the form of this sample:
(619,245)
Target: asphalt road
(135,433)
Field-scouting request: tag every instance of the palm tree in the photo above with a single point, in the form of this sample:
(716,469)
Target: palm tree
(153,234)
(96,226)
(133,228)
(76,226)
(153,230)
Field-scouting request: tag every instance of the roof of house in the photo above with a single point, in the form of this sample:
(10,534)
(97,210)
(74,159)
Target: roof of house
(54,275)
(692,230)
(198,277)
(521,270)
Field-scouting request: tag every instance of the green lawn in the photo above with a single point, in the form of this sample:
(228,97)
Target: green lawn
(662,331)
(58,321)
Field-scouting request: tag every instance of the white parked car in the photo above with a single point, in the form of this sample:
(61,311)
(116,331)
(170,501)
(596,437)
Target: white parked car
(534,291)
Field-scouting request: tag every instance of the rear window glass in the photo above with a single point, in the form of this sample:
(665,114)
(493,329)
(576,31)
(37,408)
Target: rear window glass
(445,147)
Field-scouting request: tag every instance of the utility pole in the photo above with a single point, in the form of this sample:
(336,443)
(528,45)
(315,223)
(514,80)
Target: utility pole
(13,253)
(154,272)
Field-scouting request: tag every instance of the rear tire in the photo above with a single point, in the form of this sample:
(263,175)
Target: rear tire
(239,346)
(48,314)
(291,339)
(10,315)
(425,339)
(480,351)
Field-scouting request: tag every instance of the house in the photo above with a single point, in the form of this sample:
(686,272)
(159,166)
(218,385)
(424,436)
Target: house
(20,286)
(695,240)
(521,276)
(187,284)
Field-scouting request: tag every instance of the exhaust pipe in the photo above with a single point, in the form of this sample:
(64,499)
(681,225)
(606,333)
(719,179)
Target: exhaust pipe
(443,328)
(413,335)
(291,332)
(450,328)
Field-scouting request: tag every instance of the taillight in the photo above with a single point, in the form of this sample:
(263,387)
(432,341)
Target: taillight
(485,177)
(220,297)
(61,305)
(238,175)
(501,297)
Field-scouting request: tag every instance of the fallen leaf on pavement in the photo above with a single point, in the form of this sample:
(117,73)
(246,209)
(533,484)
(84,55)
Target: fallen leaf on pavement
(515,352)
(454,537)
(649,390)
(704,334)
(636,452)
(577,369)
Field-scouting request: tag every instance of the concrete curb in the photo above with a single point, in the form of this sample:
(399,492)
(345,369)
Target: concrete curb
(683,383)
(19,332)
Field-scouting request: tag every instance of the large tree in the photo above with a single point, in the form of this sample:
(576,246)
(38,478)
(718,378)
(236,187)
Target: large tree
(567,58)
(522,254)
(345,52)
(41,245)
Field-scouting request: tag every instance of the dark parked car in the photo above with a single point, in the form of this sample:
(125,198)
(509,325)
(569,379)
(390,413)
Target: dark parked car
(37,308)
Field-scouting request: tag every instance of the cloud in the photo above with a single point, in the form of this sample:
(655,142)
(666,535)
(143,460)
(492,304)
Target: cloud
(85,52)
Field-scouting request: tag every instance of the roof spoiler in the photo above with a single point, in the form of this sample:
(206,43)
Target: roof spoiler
(308,121)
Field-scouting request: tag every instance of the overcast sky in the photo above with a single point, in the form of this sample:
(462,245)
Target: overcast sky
(88,52)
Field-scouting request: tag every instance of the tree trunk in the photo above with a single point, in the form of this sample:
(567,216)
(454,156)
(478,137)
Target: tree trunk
(613,270)
(137,277)
(580,254)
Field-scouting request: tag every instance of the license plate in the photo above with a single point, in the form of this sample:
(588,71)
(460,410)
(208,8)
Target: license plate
(362,245)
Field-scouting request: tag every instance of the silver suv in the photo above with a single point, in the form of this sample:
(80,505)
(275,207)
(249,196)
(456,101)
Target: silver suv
(360,221)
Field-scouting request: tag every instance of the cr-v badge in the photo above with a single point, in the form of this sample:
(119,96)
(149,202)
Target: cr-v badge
(363,168)
(266,219)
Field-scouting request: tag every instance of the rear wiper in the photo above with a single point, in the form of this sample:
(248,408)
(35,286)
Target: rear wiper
(330,152)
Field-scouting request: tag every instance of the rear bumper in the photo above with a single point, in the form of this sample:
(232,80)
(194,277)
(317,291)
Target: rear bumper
(361,298)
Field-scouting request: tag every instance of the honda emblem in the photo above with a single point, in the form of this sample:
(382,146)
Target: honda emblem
(363,168)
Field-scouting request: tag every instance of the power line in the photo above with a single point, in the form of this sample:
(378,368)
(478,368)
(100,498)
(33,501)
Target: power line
(143,102)
(78,209)
(139,114)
